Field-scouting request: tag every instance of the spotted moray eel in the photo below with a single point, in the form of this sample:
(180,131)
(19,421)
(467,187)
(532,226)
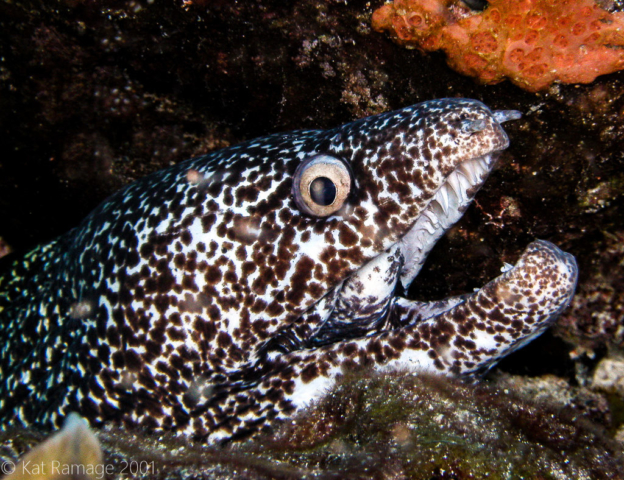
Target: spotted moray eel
(230,290)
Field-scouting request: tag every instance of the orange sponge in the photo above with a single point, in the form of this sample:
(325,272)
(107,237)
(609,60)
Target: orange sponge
(533,43)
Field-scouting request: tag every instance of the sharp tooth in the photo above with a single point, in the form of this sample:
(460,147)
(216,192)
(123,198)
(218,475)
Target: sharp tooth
(464,182)
(453,182)
(432,217)
(429,227)
(469,173)
(443,200)
(437,209)
(506,267)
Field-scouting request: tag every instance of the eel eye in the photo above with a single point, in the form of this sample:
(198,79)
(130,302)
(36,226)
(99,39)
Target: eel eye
(321,185)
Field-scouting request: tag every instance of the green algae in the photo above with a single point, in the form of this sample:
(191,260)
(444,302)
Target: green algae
(423,425)
(602,195)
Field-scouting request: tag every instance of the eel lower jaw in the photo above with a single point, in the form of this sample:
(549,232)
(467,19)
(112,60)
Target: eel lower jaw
(445,208)
(501,317)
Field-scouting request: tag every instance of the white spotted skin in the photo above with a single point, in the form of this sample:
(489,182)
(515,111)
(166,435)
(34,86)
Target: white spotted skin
(201,300)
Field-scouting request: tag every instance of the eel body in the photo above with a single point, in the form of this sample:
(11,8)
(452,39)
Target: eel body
(227,291)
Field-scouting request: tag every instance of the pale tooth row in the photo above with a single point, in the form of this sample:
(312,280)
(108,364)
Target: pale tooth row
(454,190)
(440,214)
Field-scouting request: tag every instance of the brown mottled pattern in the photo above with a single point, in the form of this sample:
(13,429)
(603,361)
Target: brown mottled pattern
(200,299)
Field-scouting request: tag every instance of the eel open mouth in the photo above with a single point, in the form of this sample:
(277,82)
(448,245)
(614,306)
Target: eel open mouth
(365,301)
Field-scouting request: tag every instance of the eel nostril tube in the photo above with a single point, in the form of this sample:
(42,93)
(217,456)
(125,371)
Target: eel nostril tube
(506,115)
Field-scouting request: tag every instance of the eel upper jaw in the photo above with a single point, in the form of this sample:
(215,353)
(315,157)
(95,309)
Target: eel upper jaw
(450,201)
(444,209)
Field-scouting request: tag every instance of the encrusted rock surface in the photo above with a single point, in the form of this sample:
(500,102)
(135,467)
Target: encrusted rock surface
(383,426)
(533,43)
